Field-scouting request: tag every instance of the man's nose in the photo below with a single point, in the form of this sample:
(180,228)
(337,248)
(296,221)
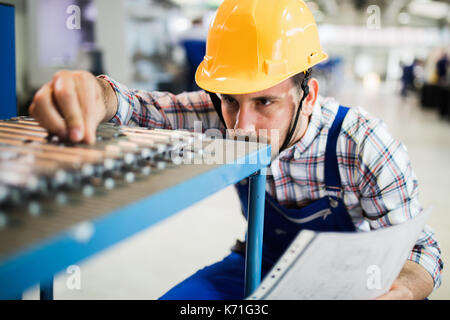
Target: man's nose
(245,120)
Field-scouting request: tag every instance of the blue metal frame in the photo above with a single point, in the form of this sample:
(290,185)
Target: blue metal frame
(8,98)
(46,290)
(253,258)
(41,261)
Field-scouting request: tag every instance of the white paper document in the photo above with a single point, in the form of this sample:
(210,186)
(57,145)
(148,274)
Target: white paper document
(341,266)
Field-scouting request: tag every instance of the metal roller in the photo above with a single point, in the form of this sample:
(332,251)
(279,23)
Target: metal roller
(38,169)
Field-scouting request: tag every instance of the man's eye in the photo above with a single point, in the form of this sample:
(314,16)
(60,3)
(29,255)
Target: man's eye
(229,100)
(265,102)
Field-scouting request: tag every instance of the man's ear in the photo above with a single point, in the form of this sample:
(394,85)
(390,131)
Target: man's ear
(310,101)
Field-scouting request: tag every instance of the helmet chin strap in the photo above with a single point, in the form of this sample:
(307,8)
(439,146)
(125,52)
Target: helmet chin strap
(291,133)
(217,103)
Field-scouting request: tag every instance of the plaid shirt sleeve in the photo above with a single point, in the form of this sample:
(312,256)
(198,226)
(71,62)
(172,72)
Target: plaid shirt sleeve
(164,110)
(389,188)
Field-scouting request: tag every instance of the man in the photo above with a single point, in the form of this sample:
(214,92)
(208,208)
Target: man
(408,77)
(193,41)
(337,169)
(442,69)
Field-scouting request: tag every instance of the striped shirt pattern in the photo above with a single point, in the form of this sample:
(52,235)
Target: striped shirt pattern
(379,187)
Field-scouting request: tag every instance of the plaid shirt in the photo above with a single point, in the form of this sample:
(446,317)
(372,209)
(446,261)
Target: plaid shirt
(379,187)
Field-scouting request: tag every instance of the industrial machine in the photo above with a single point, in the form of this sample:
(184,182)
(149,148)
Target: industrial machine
(62,202)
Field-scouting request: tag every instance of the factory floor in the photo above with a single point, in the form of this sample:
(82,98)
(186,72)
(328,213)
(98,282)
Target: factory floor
(150,263)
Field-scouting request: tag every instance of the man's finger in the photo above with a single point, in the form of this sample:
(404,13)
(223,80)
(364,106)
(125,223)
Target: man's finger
(44,111)
(92,113)
(66,98)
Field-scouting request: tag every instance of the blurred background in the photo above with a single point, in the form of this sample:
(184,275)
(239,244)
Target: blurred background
(389,57)
(155,44)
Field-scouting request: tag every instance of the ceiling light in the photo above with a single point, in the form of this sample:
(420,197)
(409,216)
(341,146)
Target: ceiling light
(404,18)
(429,9)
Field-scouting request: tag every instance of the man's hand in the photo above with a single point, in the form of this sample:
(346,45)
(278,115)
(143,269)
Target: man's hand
(413,283)
(73,104)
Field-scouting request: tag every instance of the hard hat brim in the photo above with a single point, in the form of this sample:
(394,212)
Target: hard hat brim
(239,85)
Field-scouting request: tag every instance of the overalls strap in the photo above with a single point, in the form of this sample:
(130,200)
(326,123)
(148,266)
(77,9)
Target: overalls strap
(332,177)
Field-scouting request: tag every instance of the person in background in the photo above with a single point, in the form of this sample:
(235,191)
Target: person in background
(408,78)
(194,43)
(442,69)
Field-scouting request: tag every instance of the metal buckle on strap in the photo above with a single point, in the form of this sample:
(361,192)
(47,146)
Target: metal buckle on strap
(337,189)
(337,193)
(333,203)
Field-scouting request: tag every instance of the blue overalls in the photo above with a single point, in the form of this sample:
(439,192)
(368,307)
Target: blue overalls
(225,279)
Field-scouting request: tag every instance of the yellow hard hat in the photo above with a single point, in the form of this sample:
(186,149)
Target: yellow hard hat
(254,45)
